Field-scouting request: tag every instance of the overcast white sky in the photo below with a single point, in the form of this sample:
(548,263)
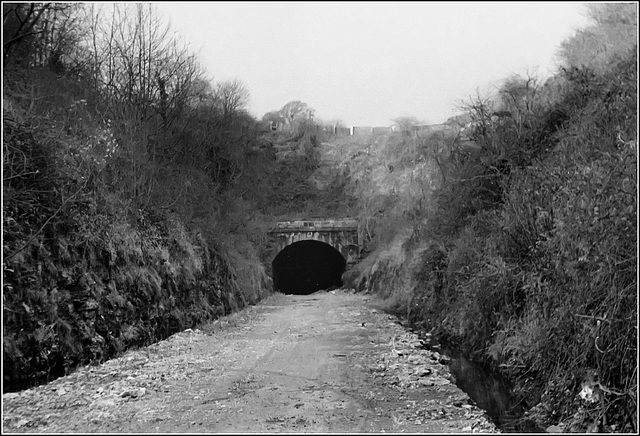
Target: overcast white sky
(367,63)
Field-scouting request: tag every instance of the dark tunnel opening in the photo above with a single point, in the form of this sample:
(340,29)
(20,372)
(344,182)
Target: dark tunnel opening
(307,266)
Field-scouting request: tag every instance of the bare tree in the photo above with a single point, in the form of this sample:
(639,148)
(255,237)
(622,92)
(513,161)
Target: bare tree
(20,24)
(39,34)
(233,97)
(146,79)
(519,101)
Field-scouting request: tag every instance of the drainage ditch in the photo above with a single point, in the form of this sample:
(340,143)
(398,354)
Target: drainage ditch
(492,393)
(489,390)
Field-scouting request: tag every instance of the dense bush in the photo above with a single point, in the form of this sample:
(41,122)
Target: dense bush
(82,282)
(528,259)
(120,192)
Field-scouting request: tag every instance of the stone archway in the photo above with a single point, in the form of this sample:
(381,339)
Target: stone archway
(343,234)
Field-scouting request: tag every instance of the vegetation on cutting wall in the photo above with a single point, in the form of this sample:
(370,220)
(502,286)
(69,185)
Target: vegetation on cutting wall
(521,252)
(121,169)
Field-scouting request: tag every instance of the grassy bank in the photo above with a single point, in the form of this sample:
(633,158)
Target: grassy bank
(85,277)
(527,260)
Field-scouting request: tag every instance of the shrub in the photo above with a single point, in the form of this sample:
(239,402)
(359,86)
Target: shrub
(536,273)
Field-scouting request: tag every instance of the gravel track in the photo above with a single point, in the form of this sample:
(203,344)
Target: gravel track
(330,362)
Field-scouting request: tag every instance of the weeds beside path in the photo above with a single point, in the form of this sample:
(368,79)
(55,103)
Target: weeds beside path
(326,362)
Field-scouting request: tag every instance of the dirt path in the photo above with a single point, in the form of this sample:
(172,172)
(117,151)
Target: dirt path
(325,362)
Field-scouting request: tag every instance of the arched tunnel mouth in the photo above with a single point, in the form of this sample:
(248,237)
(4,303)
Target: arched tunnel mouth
(307,266)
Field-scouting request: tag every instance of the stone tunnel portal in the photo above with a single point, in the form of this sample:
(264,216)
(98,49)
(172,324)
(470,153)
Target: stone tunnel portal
(307,266)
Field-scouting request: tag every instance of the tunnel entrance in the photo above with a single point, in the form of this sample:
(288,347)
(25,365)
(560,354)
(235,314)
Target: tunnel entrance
(307,266)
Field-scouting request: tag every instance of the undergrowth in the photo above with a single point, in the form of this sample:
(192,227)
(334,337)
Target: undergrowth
(87,282)
(537,276)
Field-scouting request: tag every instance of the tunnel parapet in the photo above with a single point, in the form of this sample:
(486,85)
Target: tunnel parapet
(343,234)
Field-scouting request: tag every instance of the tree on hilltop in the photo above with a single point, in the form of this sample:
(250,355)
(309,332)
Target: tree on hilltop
(291,116)
(233,97)
(296,111)
(406,125)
